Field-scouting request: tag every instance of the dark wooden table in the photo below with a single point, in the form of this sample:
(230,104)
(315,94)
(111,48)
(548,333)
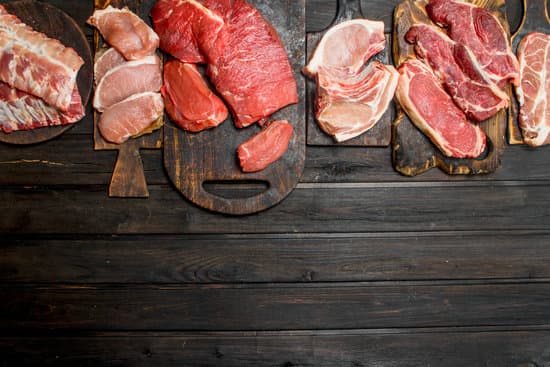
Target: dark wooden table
(359,266)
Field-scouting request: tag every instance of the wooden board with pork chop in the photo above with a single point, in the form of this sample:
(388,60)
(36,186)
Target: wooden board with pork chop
(456,69)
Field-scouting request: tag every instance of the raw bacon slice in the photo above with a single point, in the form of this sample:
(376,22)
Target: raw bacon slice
(23,111)
(185,27)
(125,31)
(457,68)
(248,64)
(346,47)
(126,79)
(348,107)
(266,147)
(36,64)
(479,30)
(534,89)
(433,111)
(130,117)
(188,99)
(106,60)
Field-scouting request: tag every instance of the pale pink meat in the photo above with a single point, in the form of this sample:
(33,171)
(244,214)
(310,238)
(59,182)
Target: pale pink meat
(106,60)
(189,101)
(125,31)
(126,79)
(432,110)
(534,90)
(130,116)
(36,64)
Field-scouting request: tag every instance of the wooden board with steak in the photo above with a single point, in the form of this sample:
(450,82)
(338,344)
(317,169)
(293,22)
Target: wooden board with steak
(204,166)
(413,152)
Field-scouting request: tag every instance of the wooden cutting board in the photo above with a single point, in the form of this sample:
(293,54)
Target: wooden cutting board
(128,179)
(204,166)
(380,134)
(535,19)
(413,153)
(55,23)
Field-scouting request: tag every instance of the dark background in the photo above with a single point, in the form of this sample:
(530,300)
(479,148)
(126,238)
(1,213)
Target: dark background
(359,266)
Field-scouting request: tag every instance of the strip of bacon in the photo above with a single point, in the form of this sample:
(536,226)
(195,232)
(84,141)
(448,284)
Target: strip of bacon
(36,64)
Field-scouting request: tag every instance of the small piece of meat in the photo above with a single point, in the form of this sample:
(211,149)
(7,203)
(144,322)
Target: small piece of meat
(433,111)
(348,107)
(106,60)
(126,79)
(188,99)
(346,47)
(23,111)
(534,89)
(130,117)
(36,64)
(248,64)
(457,68)
(184,27)
(125,31)
(479,30)
(266,147)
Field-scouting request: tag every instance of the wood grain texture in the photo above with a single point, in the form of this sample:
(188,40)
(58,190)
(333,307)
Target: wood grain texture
(128,178)
(272,307)
(458,348)
(535,19)
(379,134)
(268,258)
(413,152)
(56,24)
(192,160)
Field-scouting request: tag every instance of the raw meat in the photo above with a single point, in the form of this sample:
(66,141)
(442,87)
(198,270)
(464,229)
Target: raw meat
(433,111)
(533,91)
(348,107)
(479,30)
(188,99)
(130,117)
(23,111)
(106,60)
(265,147)
(126,32)
(184,27)
(346,47)
(454,64)
(248,64)
(36,64)
(126,79)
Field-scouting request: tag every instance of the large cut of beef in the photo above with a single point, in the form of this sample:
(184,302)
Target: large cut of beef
(456,66)
(188,99)
(432,110)
(36,64)
(246,60)
(479,30)
(533,91)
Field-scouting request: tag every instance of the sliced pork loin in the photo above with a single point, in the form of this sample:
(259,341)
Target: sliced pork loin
(266,147)
(105,60)
(346,108)
(23,111)
(126,79)
(469,86)
(130,116)
(37,64)
(125,31)
(534,89)
(185,27)
(189,101)
(479,30)
(432,110)
(346,47)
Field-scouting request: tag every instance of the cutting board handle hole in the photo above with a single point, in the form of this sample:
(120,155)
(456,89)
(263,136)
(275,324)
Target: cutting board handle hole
(239,189)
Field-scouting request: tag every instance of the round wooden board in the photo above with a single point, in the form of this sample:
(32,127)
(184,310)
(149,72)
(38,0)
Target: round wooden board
(56,24)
